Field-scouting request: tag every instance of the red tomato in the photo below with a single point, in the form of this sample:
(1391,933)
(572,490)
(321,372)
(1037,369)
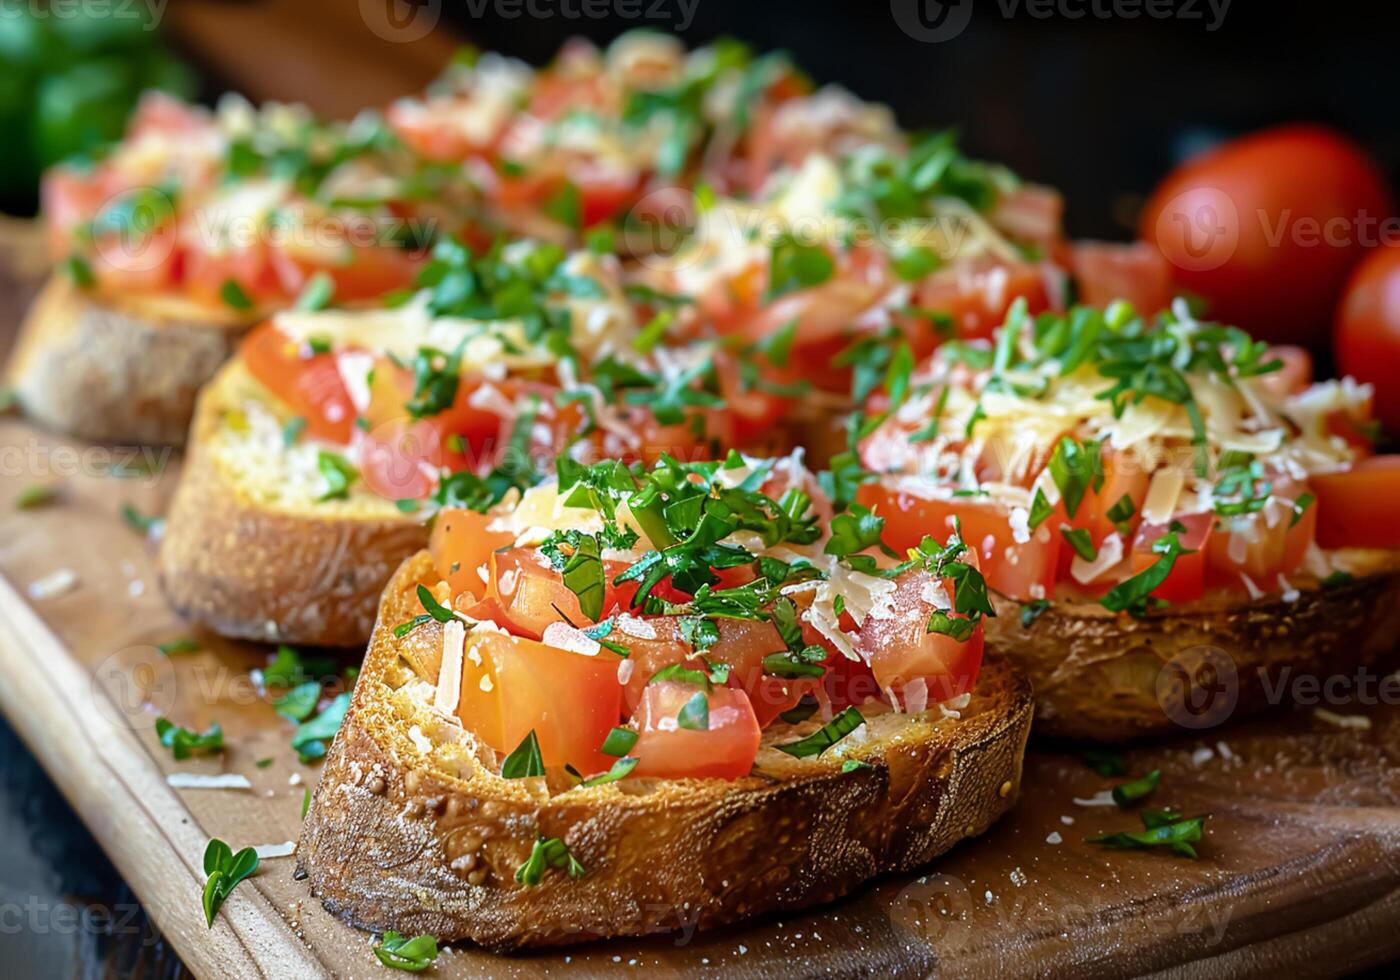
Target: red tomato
(1267,227)
(1367,336)
(461,546)
(69,200)
(569,700)
(251,268)
(1137,273)
(1356,508)
(1018,569)
(977,294)
(309,383)
(433,129)
(1296,373)
(723,750)
(359,273)
(1186,581)
(1123,475)
(1265,544)
(902,652)
(534,594)
(400,459)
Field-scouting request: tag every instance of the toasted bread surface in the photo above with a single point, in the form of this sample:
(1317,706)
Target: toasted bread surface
(117,369)
(412,829)
(250,551)
(1111,677)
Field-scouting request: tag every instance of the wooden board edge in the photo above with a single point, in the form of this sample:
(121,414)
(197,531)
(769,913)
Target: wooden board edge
(54,705)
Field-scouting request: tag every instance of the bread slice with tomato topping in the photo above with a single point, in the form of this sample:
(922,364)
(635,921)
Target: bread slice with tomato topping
(320,452)
(1170,515)
(632,703)
(118,368)
(189,230)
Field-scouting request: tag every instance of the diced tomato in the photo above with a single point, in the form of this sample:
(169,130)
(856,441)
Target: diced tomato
(359,272)
(1265,544)
(68,200)
(976,294)
(461,545)
(1295,374)
(1186,581)
(909,660)
(534,594)
(434,130)
(1137,273)
(400,459)
(723,750)
(1034,215)
(309,383)
(512,686)
(603,194)
(206,274)
(741,647)
(1124,475)
(141,261)
(160,113)
(1357,508)
(1019,569)
(1355,427)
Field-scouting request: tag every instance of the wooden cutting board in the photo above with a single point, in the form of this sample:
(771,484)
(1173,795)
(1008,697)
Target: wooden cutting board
(1300,872)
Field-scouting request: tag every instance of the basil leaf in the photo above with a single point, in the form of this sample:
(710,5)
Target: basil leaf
(525,761)
(233,295)
(619,741)
(695,713)
(298,703)
(225,871)
(311,737)
(620,769)
(1127,794)
(400,953)
(183,743)
(548,853)
(1106,762)
(338,474)
(434,608)
(828,735)
(1081,541)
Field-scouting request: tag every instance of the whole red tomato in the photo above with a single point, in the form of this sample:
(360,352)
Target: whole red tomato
(1267,227)
(1368,331)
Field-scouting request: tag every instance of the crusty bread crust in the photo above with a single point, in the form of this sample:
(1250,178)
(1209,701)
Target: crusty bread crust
(399,840)
(1108,677)
(117,369)
(246,569)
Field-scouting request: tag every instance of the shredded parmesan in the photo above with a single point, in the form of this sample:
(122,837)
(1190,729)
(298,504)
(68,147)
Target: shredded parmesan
(449,685)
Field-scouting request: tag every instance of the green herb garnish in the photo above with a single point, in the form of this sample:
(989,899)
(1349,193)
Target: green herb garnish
(225,870)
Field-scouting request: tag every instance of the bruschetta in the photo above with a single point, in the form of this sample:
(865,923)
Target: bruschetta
(628,696)
(320,452)
(190,230)
(1153,501)
(580,143)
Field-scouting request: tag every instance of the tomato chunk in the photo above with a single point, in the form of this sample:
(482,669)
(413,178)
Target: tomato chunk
(512,686)
(725,749)
(461,546)
(534,594)
(309,383)
(909,660)
(1186,581)
(1020,569)
(1357,508)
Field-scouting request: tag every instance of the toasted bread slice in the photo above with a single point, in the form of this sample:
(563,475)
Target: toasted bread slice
(1110,677)
(250,551)
(118,369)
(411,829)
